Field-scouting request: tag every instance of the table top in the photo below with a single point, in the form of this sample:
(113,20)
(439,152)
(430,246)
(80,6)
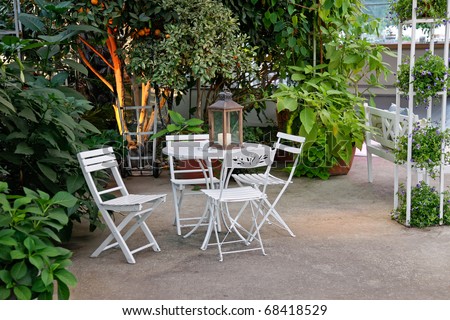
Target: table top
(195,150)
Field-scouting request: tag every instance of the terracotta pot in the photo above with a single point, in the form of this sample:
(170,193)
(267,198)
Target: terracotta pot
(342,168)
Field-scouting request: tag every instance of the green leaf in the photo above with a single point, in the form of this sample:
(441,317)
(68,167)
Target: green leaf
(195,130)
(66,277)
(273,17)
(37,261)
(18,254)
(194,122)
(5,276)
(85,28)
(21,201)
(298,77)
(334,92)
(6,233)
(353,58)
(176,117)
(4,293)
(10,242)
(24,148)
(19,270)
(31,22)
(22,293)
(173,127)
(76,66)
(59,78)
(291,9)
(278,26)
(54,251)
(7,104)
(48,172)
(16,135)
(59,216)
(64,198)
(63,291)
(286,103)
(28,114)
(51,234)
(3,187)
(29,244)
(89,126)
(308,118)
(47,277)
(74,183)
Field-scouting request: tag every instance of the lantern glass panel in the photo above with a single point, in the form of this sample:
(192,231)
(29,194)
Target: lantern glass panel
(218,125)
(234,127)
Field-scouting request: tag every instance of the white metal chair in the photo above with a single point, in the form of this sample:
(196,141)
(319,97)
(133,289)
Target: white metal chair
(219,200)
(182,184)
(135,206)
(291,144)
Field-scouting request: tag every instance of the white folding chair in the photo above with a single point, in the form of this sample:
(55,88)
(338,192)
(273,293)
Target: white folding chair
(135,206)
(284,143)
(183,186)
(219,200)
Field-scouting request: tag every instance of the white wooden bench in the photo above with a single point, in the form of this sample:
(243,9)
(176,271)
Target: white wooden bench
(382,142)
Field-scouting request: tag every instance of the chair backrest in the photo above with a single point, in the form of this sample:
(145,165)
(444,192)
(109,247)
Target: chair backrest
(291,144)
(390,125)
(96,160)
(187,142)
(251,156)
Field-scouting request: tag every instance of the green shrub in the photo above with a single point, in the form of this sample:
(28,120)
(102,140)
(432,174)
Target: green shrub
(30,264)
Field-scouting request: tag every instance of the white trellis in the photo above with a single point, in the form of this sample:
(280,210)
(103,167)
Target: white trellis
(413,23)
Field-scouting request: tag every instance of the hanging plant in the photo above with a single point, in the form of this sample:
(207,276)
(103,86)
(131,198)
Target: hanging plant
(427,140)
(429,77)
(400,10)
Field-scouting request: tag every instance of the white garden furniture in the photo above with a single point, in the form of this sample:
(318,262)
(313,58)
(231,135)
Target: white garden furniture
(135,207)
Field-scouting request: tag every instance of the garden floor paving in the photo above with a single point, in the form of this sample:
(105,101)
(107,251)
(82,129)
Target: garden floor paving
(346,247)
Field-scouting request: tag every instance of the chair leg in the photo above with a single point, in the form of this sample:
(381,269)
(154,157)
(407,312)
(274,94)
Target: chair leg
(177,199)
(211,224)
(274,213)
(115,235)
(200,222)
(140,223)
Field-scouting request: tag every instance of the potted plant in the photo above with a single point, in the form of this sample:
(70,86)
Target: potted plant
(325,95)
(427,141)
(429,77)
(327,115)
(31,265)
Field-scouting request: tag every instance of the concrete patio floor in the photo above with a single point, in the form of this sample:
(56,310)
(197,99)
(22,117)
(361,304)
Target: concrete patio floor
(346,247)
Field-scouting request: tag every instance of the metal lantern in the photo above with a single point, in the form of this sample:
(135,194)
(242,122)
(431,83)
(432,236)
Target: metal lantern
(225,122)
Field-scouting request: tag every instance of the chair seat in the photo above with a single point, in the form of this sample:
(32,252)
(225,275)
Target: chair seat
(258,179)
(238,194)
(131,202)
